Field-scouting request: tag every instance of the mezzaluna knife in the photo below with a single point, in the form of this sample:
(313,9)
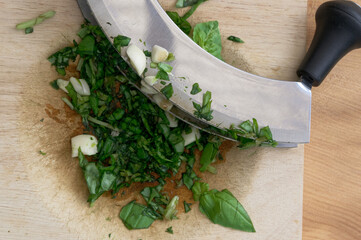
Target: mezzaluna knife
(237,96)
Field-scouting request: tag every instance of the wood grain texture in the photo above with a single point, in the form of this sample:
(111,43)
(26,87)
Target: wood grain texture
(44,197)
(332,187)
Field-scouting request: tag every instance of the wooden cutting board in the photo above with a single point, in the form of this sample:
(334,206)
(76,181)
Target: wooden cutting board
(332,180)
(44,197)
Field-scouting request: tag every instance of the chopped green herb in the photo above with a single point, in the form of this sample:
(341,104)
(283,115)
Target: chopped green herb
(187,181)
(235,39)
(134,217)
(165,67)
(183,24)
(42,153)
(170,58)
(86,46)
(204,111)
(187,3)
(147,53)
(153,65)
(42,120)
(167,91)
(121,41)
(61,59)
(169,230)
(171,209)
(195,89)
(28,25)
(162,75)
(187,206)
(54,84)
(194,7)
(29,30)
(248,135)
(208,155)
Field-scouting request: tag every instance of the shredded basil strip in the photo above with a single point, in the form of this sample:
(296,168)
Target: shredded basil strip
(235,39)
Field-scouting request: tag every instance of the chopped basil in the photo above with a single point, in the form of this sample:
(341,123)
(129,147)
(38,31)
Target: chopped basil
(42,153)
(87,46)
(183,24)
(134,216)
(167,91)
(185,3)
(249,135)
(171,211)
(147,53)
(208,155)
(28,25)
(235,39)
(195,89)
(165,67)
(169,230)
(54,84)
(204,111)
(194,7)
(162,75)
(29,30)
(170,57)
(187,206)
(121,41)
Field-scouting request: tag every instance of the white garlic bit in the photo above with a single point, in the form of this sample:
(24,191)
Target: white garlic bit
(88,145)
(80,86)
(62,84)
(137,58)
(159,54)
(191,137)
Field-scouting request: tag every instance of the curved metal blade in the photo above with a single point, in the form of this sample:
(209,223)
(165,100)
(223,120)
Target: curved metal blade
(237,95)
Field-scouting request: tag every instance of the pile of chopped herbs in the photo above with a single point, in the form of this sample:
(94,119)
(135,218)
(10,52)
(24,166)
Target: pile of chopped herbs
(136,143)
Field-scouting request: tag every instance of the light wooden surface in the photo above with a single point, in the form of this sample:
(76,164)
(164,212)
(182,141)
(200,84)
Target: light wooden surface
(44,197)
(332,180)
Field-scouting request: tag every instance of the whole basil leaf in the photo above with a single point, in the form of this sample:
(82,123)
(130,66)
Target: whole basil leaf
(224,209)
(207,36)
(133,216)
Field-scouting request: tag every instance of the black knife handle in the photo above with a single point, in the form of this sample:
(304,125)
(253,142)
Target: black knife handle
(338,31)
